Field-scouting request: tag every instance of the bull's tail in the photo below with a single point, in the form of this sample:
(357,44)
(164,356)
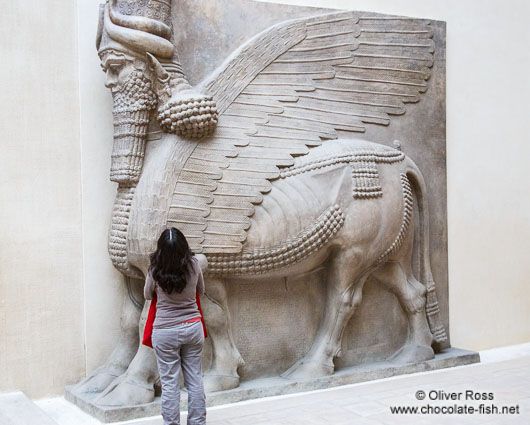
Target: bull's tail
(432,308)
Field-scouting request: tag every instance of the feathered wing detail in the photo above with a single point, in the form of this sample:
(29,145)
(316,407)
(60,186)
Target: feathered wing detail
(287,90)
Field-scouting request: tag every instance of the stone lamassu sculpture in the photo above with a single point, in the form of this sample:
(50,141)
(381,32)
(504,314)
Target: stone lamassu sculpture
(250,166)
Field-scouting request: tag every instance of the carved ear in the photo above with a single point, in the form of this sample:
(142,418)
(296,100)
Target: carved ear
(160,72)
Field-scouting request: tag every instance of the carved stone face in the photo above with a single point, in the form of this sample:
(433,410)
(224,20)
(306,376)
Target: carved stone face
(131,85)
(130,81)
(118,67)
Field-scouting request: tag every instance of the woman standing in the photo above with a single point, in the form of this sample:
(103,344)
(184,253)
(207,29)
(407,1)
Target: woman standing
(175,275)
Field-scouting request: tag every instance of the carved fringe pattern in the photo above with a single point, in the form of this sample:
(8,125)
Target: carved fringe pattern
(407,215)
(130,130)
(366,179)
(364,169)
(291,251)
(118,228)
(433,314)
(293,87)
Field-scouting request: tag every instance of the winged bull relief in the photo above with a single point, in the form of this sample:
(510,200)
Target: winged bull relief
(253,167)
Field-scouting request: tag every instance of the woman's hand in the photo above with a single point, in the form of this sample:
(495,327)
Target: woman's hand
(203,262)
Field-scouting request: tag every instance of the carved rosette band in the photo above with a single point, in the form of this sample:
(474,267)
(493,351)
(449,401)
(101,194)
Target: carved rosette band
(293,250)
(157,9)
(365,176)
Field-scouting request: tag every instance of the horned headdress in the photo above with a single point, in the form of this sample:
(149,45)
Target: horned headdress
(143,26)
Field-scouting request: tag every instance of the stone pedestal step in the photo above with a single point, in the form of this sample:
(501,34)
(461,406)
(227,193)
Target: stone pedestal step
(275,386)
(17,409)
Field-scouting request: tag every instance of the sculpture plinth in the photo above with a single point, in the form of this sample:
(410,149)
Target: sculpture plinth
(268,387)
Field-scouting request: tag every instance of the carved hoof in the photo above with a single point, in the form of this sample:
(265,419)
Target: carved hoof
(213,383)
(303,370)
(98,380)
(126,391)
(411,353)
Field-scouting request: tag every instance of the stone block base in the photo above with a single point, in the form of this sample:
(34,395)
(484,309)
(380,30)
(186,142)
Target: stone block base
(267,387)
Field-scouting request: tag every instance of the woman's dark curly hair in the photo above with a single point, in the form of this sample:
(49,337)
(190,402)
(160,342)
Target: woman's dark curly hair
(171,261)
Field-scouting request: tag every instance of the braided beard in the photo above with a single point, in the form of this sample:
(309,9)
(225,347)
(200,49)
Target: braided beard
(134,102)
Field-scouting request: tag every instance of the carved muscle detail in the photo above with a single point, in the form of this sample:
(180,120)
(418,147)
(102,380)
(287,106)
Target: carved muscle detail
(364,169)
(407,215)
(293,87)
(291,251)
(119,227)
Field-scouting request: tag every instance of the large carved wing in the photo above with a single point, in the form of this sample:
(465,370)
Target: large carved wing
(287,90)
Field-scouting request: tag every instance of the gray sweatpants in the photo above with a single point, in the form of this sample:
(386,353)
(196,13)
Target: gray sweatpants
(176,346)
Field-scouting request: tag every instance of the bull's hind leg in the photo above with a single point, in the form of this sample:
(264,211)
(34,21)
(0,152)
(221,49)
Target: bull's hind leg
(344,294)
(397,277)
(222,374)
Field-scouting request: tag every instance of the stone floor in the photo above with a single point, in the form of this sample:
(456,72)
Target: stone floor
(505,373)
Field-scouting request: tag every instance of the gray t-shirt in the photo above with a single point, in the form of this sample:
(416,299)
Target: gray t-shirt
(175,308)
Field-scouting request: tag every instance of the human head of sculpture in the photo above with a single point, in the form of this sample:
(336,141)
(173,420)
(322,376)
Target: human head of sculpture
(118,66)
(170,261)
(143,73)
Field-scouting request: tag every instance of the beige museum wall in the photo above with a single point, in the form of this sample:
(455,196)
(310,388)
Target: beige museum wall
(59,295)
(104,285)
(41,298)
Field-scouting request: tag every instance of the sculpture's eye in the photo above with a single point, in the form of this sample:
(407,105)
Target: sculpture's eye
(114,66)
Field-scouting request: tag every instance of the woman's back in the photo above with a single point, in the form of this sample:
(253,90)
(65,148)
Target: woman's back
(176,307)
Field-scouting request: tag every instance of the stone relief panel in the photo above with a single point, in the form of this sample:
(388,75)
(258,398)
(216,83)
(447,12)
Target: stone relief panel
(268,135)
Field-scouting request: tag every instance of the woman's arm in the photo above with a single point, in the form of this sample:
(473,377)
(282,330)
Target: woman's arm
(203,265)
(149,287)
(200,284)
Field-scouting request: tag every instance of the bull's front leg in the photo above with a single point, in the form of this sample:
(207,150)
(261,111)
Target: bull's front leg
(222,374)
(344,286)
(136,385)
